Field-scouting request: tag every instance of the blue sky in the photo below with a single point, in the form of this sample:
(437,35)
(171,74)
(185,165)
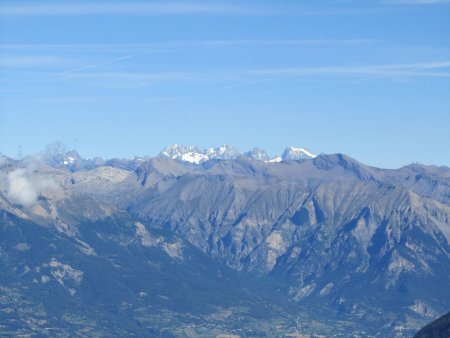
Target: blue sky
(120,78)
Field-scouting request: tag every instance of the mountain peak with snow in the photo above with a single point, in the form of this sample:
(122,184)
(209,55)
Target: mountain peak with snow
(193,154)
(183,153)
(225,152)
(292,154)
(57,156)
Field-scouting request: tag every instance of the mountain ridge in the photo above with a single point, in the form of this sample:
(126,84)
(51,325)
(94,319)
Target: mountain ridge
(322,229)
(57,156)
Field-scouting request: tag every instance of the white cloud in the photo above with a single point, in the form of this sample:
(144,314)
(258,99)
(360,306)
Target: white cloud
(25,185)
(20,189)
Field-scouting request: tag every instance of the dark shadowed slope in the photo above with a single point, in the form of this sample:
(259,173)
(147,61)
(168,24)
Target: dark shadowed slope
(440,328)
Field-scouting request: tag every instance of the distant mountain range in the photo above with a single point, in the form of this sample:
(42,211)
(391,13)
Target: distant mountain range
(190,154)
(211,242)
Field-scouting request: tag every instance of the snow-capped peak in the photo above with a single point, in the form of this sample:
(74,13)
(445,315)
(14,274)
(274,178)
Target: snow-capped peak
(189,154)
(225,152)
(292,153)
(193,154)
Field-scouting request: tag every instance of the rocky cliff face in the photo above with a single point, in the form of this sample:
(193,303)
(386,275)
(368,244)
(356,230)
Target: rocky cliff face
(336,230)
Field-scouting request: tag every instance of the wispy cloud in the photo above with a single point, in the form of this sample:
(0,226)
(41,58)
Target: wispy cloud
(183,45)
(94,65)
(237,78)
(369,72)
(33,61)
(115,8)
(149,78)
(105,73)
(406,69)
(25,55)
(167,8)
